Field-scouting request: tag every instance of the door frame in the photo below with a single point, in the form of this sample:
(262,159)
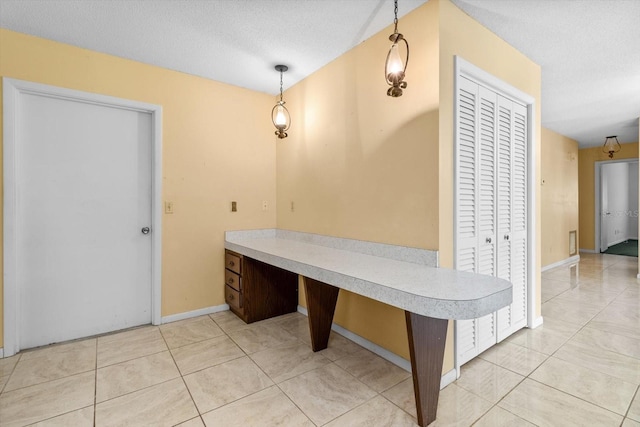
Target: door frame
(597,219)
(465,68)
(12,90)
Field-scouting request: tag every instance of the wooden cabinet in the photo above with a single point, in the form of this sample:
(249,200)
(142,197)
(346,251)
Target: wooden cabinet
(257,291)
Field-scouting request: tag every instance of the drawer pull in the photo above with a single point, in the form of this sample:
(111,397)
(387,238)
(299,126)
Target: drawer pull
(230,297)
(231,263)
(230,281)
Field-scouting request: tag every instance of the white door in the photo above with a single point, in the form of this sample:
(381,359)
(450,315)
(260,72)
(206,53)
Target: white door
(604,209)
(491,207)
(83,196)
(476,204)
(512,212)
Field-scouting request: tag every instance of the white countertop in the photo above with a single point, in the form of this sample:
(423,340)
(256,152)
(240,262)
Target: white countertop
(413,286)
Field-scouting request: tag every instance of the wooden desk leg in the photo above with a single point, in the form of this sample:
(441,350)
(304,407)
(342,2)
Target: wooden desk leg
(321,304)
(427,337)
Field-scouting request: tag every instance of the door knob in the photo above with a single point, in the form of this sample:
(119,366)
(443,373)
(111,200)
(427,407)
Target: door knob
(145,230)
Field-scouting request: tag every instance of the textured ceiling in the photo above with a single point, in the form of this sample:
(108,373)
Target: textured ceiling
(589,50)
(231,41)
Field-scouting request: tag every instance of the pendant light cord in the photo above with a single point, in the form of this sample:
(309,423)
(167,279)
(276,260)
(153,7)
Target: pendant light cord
(395,20)
(280,86)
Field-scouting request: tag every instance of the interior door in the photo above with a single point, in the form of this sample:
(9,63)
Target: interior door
(491,207)
(476,205)
(512,212)
(604,210)
(83,197)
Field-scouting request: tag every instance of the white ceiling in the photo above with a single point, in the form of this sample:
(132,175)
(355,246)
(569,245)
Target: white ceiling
(589,50)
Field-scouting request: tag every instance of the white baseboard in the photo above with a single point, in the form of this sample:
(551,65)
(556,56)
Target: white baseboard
(194,313)
(570,260)
(1,353)
(538,321)
(588,251)
(615,242)
(446,379)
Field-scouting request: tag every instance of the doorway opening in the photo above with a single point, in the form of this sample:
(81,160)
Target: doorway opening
(616,206)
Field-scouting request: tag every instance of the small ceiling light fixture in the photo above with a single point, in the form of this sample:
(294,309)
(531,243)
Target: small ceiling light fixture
(280,115)
(611,145)
(395,67)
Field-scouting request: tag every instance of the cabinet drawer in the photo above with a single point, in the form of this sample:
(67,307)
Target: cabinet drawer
(232,279)
(233,298)
(233,262)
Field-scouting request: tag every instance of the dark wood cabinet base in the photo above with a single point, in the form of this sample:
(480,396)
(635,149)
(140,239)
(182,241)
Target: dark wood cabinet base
(266,291)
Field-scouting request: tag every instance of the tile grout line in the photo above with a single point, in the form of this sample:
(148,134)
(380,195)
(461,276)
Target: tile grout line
(2,391)
(251,394)
(626,414)
(551,355)
(567,341)
(183,380)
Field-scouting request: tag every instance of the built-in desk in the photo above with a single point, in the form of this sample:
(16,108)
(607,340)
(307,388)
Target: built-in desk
(406,278)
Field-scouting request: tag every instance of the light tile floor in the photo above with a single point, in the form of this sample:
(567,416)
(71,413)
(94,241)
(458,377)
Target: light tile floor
(582,367)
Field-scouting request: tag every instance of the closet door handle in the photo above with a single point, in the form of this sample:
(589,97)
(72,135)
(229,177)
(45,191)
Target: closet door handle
(488,240)
(506,237)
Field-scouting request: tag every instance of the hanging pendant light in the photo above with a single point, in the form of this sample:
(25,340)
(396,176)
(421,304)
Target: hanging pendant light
(395,67)
(279,114)
(611,145)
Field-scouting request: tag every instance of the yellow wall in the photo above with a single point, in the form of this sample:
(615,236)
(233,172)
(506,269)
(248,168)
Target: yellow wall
(587,157)
(362,165)
(208,158)
(559,200)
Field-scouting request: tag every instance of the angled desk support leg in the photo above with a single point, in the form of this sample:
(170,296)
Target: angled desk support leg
(321,304)
(427,338)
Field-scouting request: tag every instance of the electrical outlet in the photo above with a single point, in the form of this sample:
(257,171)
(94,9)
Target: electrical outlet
(234,207)
(168,208)
(265,205)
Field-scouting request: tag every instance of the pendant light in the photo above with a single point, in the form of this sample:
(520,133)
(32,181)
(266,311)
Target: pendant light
(279,114)
(611,145)
(395,67)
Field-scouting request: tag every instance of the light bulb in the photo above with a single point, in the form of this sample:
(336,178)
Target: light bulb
(281,117)
(394,63)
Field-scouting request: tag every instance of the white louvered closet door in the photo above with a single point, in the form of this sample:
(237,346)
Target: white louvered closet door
(512,212)
(476,193)
(490,207)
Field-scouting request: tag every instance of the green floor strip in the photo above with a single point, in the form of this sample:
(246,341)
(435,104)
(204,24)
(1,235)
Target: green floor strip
(628,248)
